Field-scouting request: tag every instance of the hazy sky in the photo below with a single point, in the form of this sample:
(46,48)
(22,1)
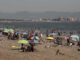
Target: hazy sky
(39,5)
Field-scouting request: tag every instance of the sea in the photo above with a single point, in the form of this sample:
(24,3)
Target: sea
(43,26)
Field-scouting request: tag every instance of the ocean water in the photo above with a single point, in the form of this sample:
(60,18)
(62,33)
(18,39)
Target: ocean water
(65,26)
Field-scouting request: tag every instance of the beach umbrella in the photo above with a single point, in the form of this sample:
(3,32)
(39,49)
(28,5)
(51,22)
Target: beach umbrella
(50,38)
(33,41)
(75,37)
(11,30)
(5,31)
(23,42)
(18,32)
(65,37)
(35,38)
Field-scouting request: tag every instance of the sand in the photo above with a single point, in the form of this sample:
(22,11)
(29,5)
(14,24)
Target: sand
(42,53)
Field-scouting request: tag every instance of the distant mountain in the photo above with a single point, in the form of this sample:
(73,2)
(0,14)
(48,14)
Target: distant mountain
(38,15)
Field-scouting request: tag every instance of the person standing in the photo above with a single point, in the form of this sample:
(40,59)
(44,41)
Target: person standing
(68,42)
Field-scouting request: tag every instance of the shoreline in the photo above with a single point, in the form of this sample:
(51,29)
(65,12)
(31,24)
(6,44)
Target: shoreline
(10,21)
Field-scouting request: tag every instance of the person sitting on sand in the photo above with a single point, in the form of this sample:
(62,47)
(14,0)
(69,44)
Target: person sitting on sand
(15,36)
(59,33)
(32,47)
(59,41)
(22,47)
(28,48)
(10,36)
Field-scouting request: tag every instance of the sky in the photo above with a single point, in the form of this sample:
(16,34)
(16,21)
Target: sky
(39,5)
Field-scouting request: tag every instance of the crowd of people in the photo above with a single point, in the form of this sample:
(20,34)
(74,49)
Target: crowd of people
(59,37)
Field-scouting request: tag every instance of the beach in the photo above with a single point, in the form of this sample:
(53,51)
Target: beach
(39,29)
(47,46)
(42,53)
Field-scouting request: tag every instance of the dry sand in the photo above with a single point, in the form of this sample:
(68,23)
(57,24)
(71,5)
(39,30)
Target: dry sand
(6,52)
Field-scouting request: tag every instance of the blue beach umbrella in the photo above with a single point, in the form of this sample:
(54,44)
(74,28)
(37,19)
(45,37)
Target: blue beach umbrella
(33,41)
(5,29)
(75,36)
(18,32)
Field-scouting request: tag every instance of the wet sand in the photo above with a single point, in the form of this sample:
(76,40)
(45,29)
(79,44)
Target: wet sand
(42,53)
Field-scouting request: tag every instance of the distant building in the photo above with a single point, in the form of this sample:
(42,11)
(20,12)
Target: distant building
(73,19)
(62,19)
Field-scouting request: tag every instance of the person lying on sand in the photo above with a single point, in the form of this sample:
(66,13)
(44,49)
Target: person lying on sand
(59,53)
